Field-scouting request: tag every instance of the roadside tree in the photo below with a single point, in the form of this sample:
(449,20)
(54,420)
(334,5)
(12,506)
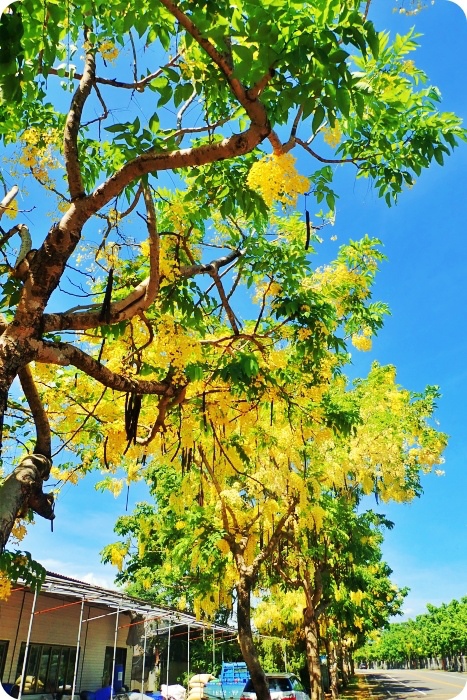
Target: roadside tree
(222,94)
(160,171)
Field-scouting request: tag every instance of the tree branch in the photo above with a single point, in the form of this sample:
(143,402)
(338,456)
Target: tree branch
(225,303)
(272,544)
(151,162)
(250,103)
(89,414)
(152,289)
(182,111)
(256,90)
(180,133)
(338,161)
(8,198)
(276,143)
(8,234)
(72,125)
(165,404)
(132,304)
(293,131)
(64,354)
(39,414)
(113,82)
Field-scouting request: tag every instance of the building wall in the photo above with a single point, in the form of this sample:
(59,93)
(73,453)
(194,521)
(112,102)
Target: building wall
(61,626)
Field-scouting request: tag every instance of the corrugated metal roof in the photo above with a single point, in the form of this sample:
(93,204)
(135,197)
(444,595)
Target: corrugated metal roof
(59,585)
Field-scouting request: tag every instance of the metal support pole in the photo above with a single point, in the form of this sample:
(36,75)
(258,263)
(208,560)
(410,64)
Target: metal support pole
(20,617)
(75,672)
(188,654)
(114,656)
(144,659)
(168,660)
(26,650)
(213,649)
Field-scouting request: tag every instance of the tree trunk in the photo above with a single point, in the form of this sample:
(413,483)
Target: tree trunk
(312,653)
(351,662)
(342,663)
(245,638)
(22,490)
(332,667)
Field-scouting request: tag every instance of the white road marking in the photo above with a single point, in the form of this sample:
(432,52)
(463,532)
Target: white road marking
(422,692)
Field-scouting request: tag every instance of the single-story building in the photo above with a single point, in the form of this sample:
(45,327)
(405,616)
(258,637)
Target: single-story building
(73,637)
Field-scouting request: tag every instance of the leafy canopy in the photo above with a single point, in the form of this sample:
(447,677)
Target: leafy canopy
(160,136)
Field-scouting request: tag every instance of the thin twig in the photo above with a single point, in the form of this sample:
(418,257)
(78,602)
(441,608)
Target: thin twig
(113,82)
(337,161)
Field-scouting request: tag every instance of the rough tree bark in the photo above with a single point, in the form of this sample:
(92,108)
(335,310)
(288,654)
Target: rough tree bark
(312,652)
(342,663)
(21,490)
(313,589)
(332,667)
(245,637)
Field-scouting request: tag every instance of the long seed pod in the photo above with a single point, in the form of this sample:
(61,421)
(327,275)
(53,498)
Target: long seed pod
(106,304)
(132,411)
(308,229)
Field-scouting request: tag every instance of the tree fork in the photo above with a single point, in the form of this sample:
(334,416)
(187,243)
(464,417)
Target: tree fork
(22,490)
(245,638)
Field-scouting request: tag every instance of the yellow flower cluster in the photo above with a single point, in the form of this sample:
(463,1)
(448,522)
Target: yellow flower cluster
(37,153)
(63,206)
(18,531)
(118,553)
(362,341)
(12,210)
(277,180)
(5,586)
(358,622)
(172,345)
(223,546)
(333,135)
(408,67)
(108,51)
(356,597)
(71,476)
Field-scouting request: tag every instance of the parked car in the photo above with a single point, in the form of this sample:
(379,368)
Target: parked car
(363,665)
(282,686)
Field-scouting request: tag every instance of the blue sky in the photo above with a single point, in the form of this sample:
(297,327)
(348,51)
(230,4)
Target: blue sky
(424,283)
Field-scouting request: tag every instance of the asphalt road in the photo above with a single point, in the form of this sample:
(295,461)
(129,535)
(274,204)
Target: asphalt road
(415,684)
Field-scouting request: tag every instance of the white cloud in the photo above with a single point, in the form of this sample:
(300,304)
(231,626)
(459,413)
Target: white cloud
(100,575)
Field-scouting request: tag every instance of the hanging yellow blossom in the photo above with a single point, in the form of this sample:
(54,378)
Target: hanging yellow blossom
(223,546)
(5,587)
(333,135)
(18,531)
(12,209)
(118,552)
(356,597)
(63,206)
(277,180)
(362,341)
(108,51)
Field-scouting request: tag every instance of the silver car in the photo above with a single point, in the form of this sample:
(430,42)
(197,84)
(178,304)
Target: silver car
(282,686)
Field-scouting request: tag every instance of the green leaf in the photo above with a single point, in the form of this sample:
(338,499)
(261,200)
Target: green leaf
(318,118)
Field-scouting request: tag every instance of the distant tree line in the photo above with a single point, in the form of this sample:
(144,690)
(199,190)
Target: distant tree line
(440,636)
